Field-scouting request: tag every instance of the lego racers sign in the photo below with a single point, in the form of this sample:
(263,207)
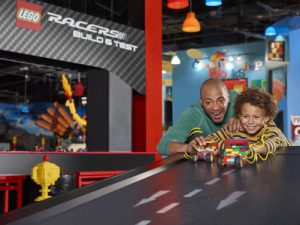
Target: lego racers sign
(28,15)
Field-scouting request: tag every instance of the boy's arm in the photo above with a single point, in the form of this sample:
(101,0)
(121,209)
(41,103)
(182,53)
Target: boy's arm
(271,139)
(269,142)
(217,137)
(220,136)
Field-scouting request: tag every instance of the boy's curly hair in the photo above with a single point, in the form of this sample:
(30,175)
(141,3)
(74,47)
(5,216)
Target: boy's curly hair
(256,97)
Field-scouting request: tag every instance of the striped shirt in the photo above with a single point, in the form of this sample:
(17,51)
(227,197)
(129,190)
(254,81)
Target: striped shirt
(274,137)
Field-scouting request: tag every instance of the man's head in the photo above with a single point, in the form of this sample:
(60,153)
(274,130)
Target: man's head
(214,99)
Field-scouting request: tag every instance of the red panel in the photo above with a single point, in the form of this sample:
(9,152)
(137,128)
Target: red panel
(153,30)
(139,123)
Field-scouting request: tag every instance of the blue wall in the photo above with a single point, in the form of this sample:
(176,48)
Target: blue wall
(187,80)
(293,78)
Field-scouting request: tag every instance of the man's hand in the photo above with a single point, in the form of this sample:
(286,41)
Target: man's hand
(198,141)
(178,147)
(233,125)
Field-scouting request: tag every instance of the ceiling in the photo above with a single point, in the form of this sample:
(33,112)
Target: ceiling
(236,21)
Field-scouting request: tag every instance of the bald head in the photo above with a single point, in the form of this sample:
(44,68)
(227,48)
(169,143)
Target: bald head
(214,99)
(212,83)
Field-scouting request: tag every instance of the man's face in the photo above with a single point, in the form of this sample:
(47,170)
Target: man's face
(215,102)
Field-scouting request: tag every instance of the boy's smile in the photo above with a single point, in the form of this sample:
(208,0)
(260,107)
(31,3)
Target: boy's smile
(252,118)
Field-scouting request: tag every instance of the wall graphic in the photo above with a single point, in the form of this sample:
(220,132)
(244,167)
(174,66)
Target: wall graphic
(44,30)
(22,124)
(241,61)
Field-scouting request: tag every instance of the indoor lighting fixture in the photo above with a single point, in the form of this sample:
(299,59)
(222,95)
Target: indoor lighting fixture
(197,65)
(213,2)
(177,4)
(175,60)
(25,106)
(270,31)
(230,58)
(279,38)
(191,24)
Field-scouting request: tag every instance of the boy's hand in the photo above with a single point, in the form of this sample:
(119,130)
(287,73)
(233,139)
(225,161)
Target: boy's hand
(233,125)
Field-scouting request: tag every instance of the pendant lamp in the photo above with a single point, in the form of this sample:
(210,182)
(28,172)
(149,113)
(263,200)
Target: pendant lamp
(213,2)
(270,31)
(191,24)
(177,4)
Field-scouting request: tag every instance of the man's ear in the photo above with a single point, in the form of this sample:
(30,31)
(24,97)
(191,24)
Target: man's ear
(200,101)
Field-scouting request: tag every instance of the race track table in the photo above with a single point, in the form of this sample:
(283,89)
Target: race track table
(21,162)
(178,191)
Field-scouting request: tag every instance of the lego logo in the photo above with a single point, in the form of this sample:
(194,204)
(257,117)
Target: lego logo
(29,15)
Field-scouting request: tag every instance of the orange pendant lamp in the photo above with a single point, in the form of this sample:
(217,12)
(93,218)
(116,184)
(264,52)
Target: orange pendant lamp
(191,24)
(177,4)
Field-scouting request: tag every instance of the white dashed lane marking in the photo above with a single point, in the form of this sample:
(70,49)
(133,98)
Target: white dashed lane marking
(228,172)
(144,222)
(192,193)
(213,181)
(168,207)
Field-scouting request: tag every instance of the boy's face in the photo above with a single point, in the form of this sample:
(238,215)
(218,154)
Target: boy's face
(252,118)
(215,102)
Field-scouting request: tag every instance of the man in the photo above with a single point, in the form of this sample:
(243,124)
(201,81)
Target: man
(214,110)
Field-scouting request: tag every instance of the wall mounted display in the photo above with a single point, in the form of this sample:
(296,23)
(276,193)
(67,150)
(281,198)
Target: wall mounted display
(276,51)
(259,84)
(237,85)
(277,83)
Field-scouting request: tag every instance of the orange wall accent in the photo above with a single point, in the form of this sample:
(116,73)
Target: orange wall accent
(153,41)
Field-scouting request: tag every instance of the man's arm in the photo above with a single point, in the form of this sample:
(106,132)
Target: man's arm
(174,140)
(179,147)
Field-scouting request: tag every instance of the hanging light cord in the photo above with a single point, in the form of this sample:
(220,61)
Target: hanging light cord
(25,88)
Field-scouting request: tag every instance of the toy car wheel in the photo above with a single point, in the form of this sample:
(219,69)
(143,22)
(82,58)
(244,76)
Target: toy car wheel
(195,158)
(210,157)
(219,161)
(238,162)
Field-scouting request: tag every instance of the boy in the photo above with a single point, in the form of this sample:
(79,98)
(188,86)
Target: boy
(256,110)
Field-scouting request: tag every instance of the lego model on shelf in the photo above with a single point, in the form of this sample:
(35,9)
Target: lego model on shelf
(234,153)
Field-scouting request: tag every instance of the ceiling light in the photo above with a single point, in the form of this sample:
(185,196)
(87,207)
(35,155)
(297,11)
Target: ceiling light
(191,24)
(213,2)
(229,66)
(270,31)
(279,38)
(175,60)
(177,4)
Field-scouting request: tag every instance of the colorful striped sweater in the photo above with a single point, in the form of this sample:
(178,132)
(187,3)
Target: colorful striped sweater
(274,137)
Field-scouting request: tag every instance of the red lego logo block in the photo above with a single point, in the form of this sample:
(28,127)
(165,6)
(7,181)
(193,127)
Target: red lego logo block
(29,15)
